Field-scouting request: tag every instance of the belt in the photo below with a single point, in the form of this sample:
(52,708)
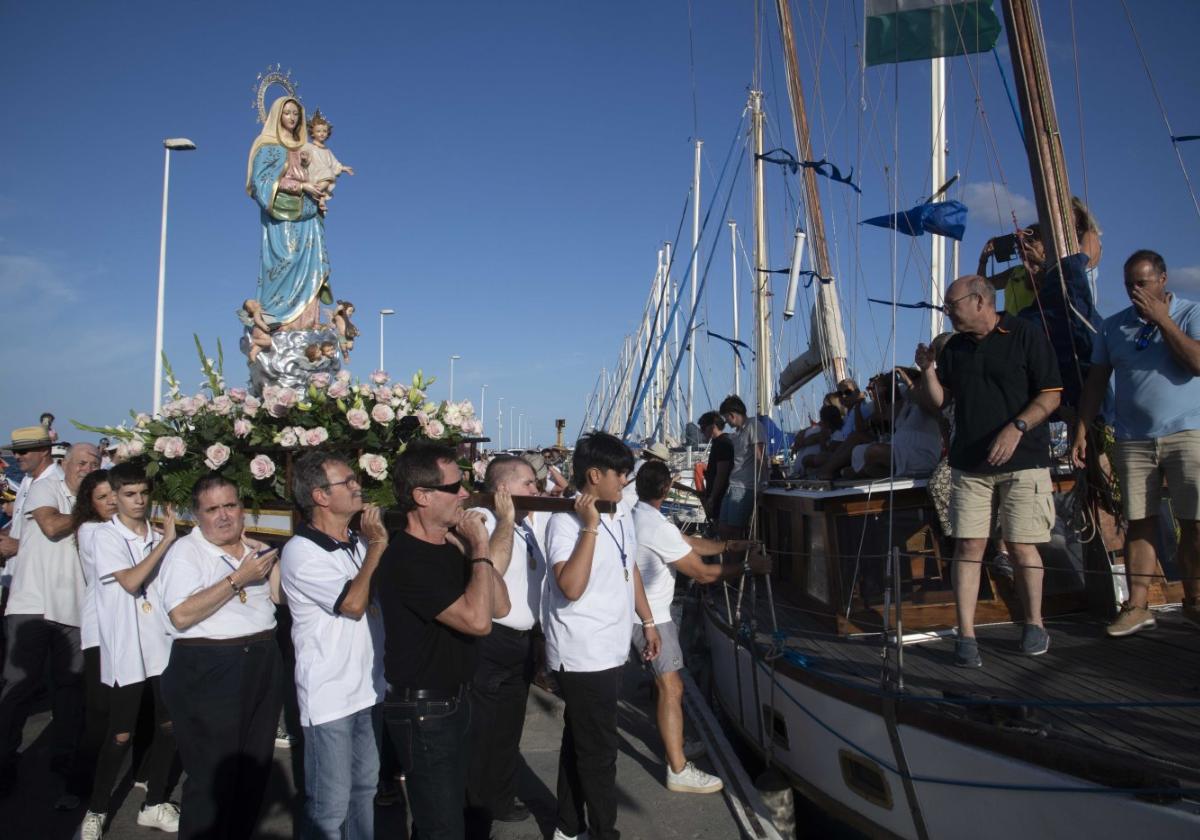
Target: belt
(410,695)
(264,636)
(504,629)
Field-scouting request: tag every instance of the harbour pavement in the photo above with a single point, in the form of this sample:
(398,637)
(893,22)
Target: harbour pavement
(647,810)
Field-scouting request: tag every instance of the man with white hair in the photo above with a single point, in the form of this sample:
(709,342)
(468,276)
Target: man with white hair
(42,621)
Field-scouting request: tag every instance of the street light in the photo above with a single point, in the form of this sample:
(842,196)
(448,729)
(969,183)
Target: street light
(511,410)
(500,423)
(171,144)
(521,430)
(383,312)
(482,396)
(452,358)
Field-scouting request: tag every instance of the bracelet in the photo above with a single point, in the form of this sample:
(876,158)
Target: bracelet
(589,530)
(376,542)
(649,623)
(483,560)
(236,588)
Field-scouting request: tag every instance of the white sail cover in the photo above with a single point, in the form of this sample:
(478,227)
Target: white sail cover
(826,341)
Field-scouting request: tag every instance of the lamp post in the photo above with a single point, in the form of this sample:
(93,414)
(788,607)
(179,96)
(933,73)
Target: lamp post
(500,423)
(383,312)
(482,397)
(171,144)
(521,430)
(511,411)
(453,356)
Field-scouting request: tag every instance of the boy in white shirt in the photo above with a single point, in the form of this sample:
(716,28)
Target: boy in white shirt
(134,648)
(591,595)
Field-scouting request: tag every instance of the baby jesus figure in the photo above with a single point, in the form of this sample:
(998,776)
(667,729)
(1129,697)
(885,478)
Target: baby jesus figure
(323,168)
(260,331)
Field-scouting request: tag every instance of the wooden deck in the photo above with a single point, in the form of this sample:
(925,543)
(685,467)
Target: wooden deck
(1083,666)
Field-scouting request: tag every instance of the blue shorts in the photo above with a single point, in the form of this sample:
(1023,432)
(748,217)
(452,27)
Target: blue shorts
(737,506)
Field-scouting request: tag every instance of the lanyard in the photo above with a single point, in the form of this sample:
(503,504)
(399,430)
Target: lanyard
(351,549)
(620,545)
(532,552)
(134,561)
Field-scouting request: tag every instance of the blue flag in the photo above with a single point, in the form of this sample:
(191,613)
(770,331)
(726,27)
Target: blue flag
(945,218)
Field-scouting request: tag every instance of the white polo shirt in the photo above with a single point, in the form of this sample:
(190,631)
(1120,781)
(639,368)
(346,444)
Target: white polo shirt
(339,661)
(134,643)
(48,580)
(194,564)
(14,526)
(89,632)
(660,545)
(526,572)
(594,632)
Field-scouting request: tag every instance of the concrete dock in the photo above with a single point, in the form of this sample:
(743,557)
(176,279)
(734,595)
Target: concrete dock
(648,811)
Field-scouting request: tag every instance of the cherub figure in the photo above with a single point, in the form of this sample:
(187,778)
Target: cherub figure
(345,329)
(260,331)
(323,168)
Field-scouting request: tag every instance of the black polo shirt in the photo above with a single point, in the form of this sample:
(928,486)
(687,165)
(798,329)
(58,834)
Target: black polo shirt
(991,381)
(415,582)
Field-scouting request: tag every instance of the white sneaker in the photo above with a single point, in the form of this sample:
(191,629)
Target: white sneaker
(164,816)
(282,739)
(92,826)
(692,779)
(141,784)
(558,835)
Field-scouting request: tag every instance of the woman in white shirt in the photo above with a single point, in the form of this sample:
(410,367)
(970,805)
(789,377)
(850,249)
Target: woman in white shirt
(134,648)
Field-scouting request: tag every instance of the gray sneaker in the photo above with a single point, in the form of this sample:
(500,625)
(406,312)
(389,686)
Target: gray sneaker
(1034,640)
(966,653)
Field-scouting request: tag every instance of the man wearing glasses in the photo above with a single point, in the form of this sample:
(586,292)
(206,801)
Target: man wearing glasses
(1001,373)
(438,591)
(1153,347)
(326,572)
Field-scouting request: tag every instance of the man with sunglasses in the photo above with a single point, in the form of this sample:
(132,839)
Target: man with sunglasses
(326,571)
(1153,347)
(439,591)
(1001,373)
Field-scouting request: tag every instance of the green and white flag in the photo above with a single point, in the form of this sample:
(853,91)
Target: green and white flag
(907,30)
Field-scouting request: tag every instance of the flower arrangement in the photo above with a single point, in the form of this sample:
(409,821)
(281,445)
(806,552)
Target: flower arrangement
(248,439)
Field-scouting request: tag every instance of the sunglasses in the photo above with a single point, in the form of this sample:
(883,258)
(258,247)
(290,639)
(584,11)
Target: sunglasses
(1144,335)
(352,479)
(451,488)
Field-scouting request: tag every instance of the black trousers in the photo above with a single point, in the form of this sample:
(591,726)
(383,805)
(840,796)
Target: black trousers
(124,703)
(224,701)
(95,717)
(587,761)
(499,692)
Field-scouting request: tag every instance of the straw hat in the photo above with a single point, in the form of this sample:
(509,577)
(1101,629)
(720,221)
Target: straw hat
(658,450)
(30,437)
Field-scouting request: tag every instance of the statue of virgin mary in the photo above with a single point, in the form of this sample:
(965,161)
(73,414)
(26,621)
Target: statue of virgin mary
(294,271)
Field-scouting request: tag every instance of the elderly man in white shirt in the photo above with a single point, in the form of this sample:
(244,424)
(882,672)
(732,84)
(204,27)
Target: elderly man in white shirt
(223,683)
(592,593)
(43,617)
(505,662)
(337,630)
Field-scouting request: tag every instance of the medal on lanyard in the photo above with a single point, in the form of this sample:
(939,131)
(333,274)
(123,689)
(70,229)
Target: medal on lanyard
(146,608)
(620,546)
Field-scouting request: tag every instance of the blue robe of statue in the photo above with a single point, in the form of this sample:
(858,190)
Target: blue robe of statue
(295,264)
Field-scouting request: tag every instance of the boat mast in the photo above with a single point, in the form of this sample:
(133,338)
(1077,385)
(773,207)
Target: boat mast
(691,338)
(762,314)
(937,265)
(1043,143)
(829,309)
(733,242)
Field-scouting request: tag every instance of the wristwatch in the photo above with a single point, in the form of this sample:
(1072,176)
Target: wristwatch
(1022,427)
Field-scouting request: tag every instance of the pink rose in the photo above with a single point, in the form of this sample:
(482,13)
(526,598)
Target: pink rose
(320,381)
(315,437)
(399,391)
(218,456)
(285,400)
(262,467)
(374,465)
(435,429)
(422,417)
(222,405)
(122,451)
(452,415)
(343,376)
(339,390)
(379,377)
(142,420)
(251,406)
(383,394)
(170,447)
(134,447)
(238,395)
(189,406)
(382,414)
(287,438)
(242,427)
(473,427)
(358,419)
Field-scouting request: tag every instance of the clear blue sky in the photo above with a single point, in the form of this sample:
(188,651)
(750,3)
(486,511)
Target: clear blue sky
(518,166)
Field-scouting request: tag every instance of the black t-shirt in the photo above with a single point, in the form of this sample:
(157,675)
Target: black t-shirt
(991,381)
(415,582)
(721,449)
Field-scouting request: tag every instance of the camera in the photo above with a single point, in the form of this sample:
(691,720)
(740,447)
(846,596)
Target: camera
(1004,248)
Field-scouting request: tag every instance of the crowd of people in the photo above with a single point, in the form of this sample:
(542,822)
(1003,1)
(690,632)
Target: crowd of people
(414,648)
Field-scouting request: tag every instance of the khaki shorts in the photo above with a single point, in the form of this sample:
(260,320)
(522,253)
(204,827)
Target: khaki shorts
(1023,501)
(1142,465)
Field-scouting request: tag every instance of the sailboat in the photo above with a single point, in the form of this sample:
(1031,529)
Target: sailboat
(837,668)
